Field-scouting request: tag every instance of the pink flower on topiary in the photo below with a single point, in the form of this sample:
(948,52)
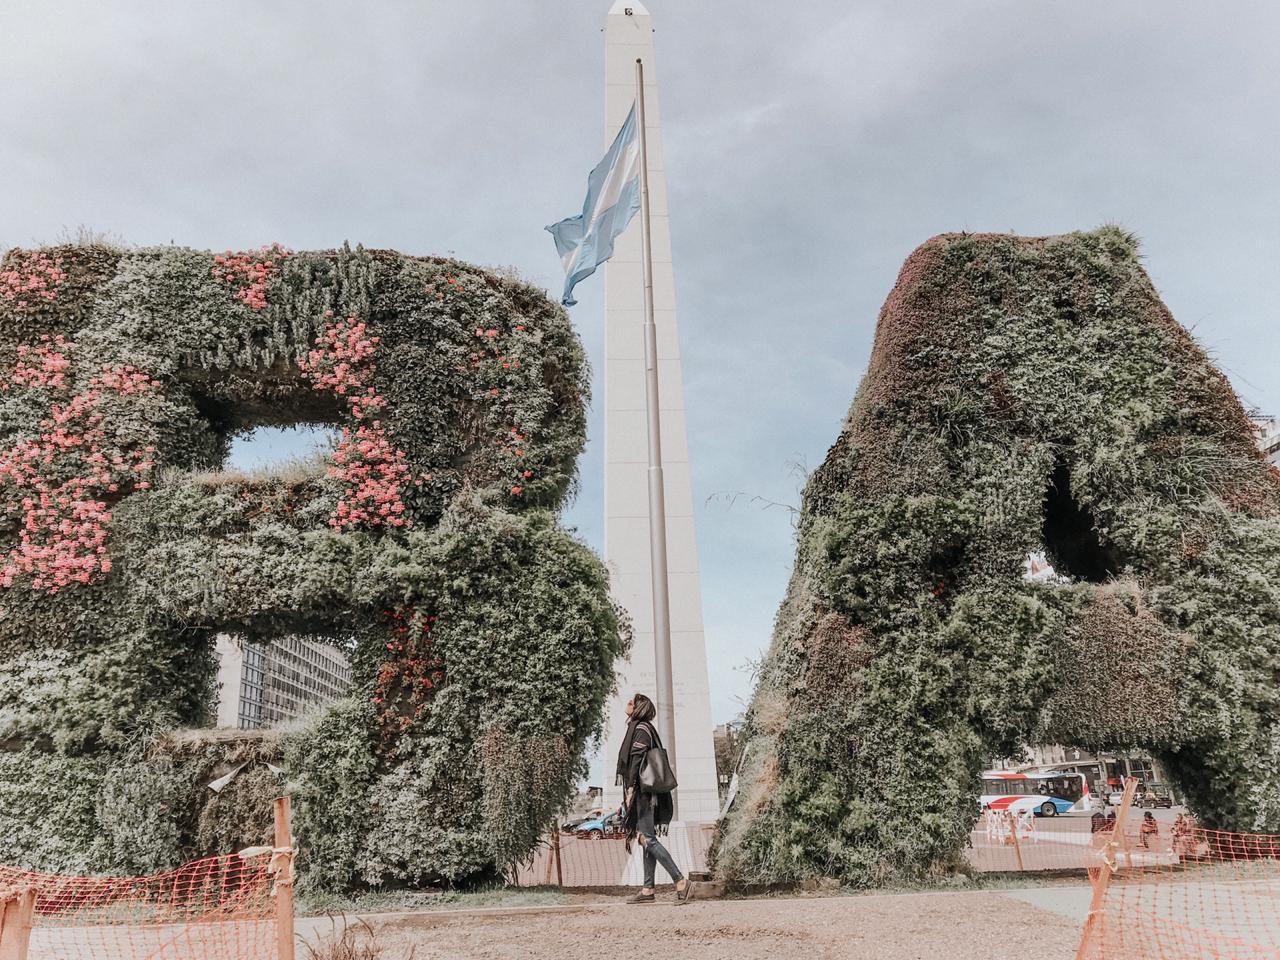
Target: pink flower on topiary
(34,278)
(58,482)
(249,272)
(373,471)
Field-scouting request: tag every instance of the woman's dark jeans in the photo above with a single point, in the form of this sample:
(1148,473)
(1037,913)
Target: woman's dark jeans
(654,852)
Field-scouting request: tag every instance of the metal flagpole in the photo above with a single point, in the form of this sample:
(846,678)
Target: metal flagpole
(665,697)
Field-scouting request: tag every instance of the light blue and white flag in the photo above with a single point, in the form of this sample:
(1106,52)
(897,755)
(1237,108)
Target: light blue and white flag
(613,197)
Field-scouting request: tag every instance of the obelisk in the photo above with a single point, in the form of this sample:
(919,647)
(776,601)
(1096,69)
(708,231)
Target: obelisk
(628,37)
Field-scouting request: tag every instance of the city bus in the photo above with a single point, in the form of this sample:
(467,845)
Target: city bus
(1045,794)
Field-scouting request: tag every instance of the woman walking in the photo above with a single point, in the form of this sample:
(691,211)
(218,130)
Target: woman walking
(643,814)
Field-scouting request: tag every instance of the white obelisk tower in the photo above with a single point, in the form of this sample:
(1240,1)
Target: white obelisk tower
(628,37)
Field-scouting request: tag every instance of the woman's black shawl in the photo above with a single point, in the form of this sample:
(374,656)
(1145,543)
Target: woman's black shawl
(640,736)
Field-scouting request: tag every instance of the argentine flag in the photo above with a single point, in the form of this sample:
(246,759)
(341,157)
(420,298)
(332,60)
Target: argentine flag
(613,197)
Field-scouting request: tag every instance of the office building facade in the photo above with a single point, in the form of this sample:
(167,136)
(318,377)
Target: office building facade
(262,683)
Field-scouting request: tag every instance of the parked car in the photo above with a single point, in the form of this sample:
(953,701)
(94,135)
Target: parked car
(1154,795)
(609,826)
(572,824)
(1149,795)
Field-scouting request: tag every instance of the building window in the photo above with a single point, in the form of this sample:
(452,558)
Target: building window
(282,678)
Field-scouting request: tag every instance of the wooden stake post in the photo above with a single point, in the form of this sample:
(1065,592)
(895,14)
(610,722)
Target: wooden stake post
(282,860)
(1013,832)
(17,911)
(555,853)
(1110,864)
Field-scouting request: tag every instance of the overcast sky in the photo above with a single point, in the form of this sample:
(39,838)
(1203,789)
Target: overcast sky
(810,147)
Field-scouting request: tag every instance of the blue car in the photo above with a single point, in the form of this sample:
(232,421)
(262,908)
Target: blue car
(598,828)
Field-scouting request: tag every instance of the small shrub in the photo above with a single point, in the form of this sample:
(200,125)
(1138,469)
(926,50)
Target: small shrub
(356,942)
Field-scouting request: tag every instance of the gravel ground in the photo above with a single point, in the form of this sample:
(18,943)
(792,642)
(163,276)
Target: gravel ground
(958,926)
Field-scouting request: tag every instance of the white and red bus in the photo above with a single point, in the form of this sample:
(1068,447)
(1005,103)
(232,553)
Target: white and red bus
(1045,794)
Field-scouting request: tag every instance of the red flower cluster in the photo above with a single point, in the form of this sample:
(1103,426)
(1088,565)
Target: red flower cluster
(59,483)
(513,445)
(450,282)
(409,674)
(490,348)
(36,278)
(249,272)
(374,470)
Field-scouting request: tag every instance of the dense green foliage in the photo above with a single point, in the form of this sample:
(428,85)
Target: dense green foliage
(1023,394)
(426,542)
(138,810)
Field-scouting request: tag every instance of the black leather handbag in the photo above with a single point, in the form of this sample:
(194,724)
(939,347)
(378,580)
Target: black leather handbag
(656,775)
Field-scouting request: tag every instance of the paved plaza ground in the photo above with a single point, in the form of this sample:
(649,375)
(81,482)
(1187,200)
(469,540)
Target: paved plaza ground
(1224,909)
(1210,916)
(984,925)
(988,925)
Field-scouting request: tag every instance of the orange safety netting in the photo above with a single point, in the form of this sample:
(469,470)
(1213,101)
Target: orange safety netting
(596,860)
(219,908)
(999,842)
(1003,841)
(1180,892)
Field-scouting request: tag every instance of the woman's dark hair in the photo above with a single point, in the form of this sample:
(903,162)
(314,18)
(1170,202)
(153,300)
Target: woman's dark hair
(642,708)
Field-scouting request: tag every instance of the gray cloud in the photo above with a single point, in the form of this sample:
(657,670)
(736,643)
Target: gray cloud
(810,147)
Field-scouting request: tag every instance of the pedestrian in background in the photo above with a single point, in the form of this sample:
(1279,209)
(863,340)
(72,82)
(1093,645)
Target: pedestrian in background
(1149,829)
(1183,833)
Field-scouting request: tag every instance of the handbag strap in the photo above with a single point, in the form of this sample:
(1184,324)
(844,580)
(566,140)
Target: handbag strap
(654,739)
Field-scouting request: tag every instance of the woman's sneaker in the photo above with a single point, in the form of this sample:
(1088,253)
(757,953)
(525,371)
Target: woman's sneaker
(641,898)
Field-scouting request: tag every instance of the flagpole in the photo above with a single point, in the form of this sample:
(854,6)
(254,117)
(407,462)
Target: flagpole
(665,696)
